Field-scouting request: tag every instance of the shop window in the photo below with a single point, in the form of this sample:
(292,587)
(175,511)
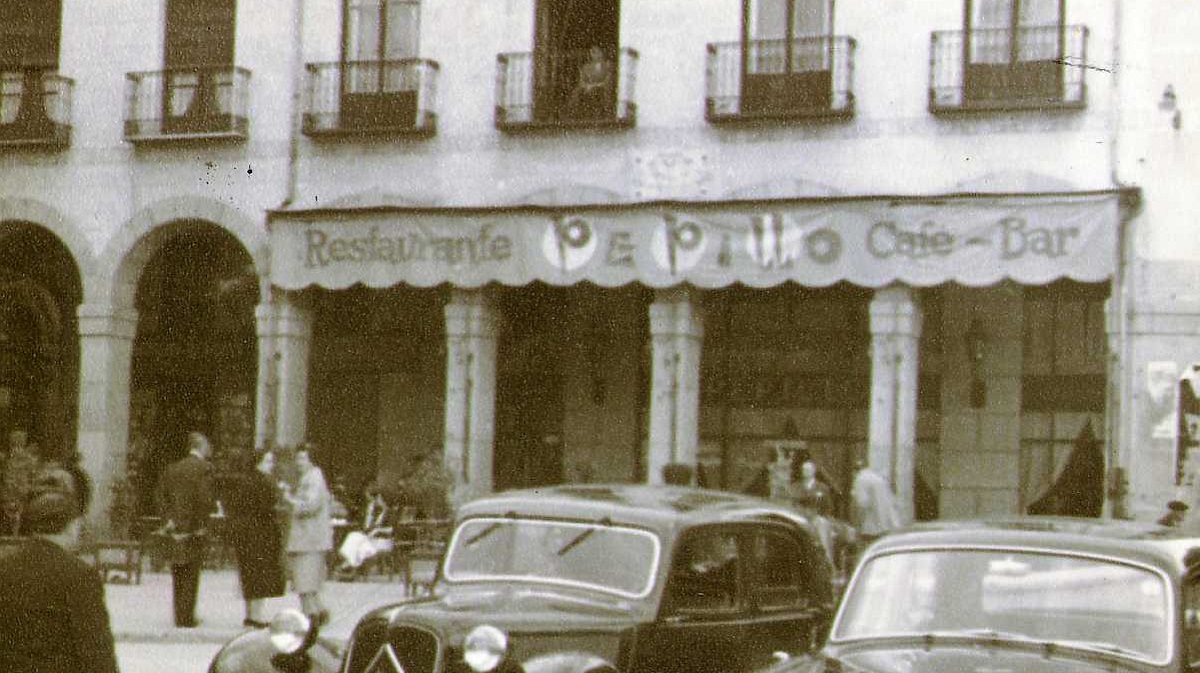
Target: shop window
(1064,348)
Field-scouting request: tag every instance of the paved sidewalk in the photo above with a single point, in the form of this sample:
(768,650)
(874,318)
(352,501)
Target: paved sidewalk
(143,613)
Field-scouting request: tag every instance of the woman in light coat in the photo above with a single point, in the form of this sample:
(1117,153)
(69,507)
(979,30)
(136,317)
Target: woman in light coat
(310,534)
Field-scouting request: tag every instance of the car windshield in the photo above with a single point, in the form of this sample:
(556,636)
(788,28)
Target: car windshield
(1001,593)
(603,557)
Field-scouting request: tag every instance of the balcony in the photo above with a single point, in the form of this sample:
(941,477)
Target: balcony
(35,108)
(1032,67)
(568,89)
(362,98)
(200,103)
(810,77)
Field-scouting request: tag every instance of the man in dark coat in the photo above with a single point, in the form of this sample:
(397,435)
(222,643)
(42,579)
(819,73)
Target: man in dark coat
(52,613)
(186,498)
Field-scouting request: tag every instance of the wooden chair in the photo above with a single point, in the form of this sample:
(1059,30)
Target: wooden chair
(420,566)
(118,561)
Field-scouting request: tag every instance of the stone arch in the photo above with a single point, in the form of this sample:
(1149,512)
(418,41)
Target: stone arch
(46,216)
(143,234)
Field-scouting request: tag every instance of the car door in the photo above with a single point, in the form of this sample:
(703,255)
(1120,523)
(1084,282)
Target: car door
(786,608)
(703,611)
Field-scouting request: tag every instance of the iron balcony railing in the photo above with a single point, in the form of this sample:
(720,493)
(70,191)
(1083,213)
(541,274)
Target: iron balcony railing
(191,102)
(780,79)
(578,88)
(35,107)
(394,97)
(1000,68)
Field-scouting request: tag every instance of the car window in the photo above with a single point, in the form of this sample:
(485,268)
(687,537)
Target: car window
(554,552)
(1191,620)
(775,568)
(704,574)
(1034,595)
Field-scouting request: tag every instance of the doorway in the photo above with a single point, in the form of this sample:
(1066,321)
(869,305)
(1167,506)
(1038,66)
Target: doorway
(566,33)
(529,388)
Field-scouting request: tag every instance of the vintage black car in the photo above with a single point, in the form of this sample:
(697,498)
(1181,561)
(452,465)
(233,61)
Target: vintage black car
(589,579)
(1024,594)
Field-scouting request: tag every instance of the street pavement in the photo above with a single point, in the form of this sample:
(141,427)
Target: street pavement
(142,613)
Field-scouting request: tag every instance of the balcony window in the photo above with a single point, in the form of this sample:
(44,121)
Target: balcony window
(777,79)
(35,108)
(35,102)
(1012,54)
(192,103)
(199,94)
(572,88)
(399,100)
(788,65)
(380,85)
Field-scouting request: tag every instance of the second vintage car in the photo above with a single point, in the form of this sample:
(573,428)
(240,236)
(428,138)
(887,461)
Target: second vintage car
(586,579)
(1023,594)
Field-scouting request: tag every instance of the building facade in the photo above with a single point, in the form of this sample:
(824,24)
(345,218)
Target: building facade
(550,240)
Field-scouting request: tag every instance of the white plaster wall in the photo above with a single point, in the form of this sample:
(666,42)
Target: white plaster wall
(893,145)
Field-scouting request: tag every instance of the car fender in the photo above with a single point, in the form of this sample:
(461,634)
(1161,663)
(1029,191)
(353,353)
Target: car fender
(568,662)
(253,653)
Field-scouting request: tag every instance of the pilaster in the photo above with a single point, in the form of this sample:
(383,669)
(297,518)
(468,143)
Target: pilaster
(471,335)
(676,337)
(105,354)
(284,342)
(896,322)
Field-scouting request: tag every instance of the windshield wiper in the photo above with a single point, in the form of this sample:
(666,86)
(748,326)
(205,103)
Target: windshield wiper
(491,528)
(990,634)
(574,542)
(1093,646)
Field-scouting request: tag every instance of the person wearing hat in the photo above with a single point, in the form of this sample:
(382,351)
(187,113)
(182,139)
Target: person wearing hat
(53,618)
(1176,511)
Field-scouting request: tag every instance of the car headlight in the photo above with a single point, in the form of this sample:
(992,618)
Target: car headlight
(289,631)
(484,648)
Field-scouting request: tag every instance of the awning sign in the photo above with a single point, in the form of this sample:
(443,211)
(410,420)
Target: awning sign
(969,240)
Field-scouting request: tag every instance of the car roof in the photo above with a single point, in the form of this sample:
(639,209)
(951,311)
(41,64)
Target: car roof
(1134,540)
(659,508)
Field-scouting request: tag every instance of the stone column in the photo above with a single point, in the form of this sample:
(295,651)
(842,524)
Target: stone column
(284,337)
(895,336)
(471,334)
(105,355)
(676,337)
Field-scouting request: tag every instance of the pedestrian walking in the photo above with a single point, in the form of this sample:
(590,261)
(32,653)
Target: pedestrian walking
(873,506)
(310,534)
(53,618)
(186,499)
(251,506)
